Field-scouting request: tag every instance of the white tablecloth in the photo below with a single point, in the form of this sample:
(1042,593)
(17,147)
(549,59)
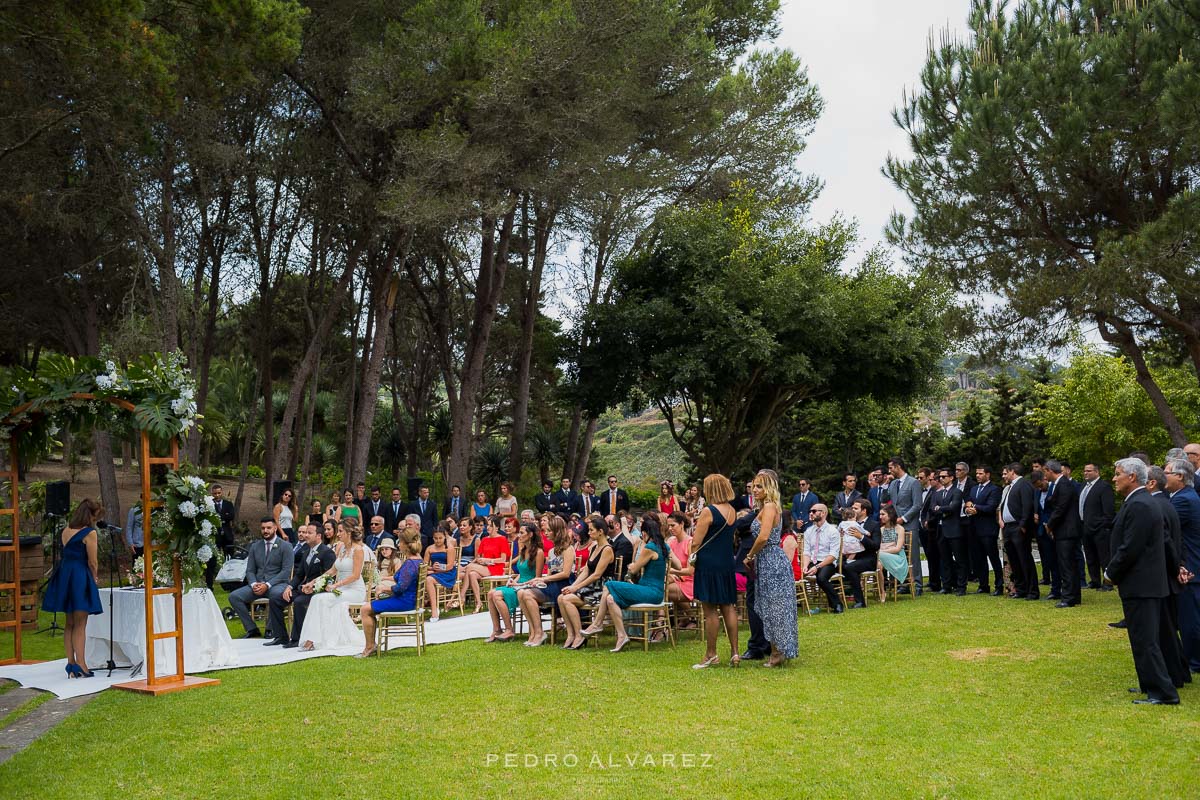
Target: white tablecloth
(206,640)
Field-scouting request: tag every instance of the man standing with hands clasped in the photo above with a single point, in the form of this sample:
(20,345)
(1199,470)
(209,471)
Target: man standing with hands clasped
(1137,569)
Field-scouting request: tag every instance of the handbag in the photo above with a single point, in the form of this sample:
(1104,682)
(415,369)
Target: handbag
(707,538)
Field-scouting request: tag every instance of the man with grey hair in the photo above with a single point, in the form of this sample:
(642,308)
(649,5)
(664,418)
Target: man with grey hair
(1180,478)
(1168,632)
(1137,570)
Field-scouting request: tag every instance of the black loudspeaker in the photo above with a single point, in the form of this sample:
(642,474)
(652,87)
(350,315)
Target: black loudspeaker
(414,486)
(277,489)
(58,498)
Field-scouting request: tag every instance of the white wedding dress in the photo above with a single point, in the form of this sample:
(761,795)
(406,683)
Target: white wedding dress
(327,624)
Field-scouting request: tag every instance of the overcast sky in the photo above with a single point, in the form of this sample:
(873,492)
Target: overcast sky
(861,54)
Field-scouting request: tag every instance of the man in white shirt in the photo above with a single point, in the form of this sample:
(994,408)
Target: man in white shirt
(819,559)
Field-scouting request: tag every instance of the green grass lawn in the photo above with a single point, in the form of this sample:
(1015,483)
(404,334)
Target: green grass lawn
(941,697)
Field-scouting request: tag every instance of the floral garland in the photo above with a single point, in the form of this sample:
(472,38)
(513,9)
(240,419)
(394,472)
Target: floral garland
(159,388)
(186,523)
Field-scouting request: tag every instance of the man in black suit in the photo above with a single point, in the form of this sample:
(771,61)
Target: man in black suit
(456,507)
(930,538)
(565,500)
(224,535)
(588,503)
(1168,634)
(1062,528)
(361,500)
(946,509)
(312,559)
(965,483)
(614,499)
(426,509)
(982,504)
(1137,569)
(544,502)
(845,498)
(394,510)
(375,505)
(1096,514)
(1017,504)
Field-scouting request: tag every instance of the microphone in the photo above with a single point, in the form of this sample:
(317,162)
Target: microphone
(109,527)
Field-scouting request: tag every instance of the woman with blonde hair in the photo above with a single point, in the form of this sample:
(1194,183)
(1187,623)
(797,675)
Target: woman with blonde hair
(711,552)
(774,586)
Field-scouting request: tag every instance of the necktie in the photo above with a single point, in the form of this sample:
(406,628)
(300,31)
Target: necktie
(454,506)
(312,555)
(422,508)
(395,510)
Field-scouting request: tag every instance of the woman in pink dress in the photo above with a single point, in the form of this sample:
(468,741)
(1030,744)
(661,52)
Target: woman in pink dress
(680,580)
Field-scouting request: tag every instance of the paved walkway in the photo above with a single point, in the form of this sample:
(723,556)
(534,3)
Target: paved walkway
(21,732)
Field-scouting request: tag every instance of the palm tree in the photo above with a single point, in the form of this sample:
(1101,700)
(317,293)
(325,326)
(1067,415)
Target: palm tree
(544,448)
(489,466)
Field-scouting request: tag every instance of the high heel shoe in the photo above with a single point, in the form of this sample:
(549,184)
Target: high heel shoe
(590,631)
(578,646)
(86,673)
(74,671)
(620,645)
(706,663)
(734,661)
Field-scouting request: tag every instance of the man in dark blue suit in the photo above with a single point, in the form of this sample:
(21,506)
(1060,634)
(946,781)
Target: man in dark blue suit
(877,493)
(1186,502)
(802,504)
(1137,570)
(427,510)
(565,500)
(982,503)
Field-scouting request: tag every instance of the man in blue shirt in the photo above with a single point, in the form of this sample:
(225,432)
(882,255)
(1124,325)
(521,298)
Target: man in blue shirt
(133,531)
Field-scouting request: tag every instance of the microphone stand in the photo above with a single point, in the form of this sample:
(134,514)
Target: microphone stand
(114,568)
(57,523)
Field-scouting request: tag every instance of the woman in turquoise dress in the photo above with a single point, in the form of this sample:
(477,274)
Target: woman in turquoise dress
(528,565)
(651,565)
(713,583)
(72,588)
(891,546)
(442,561)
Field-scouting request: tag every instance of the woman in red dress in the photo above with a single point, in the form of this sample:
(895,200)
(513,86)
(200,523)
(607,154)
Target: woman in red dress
(667,502)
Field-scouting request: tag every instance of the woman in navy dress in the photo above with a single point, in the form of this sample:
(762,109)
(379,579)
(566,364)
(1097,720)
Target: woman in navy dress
(713,583)
(72,589)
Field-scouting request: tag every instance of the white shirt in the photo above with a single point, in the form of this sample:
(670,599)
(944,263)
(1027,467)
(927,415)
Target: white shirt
(1004,512)
(821,542)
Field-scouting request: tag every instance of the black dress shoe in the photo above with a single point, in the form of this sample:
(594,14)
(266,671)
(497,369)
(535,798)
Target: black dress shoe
(1105,588)
(1054,596)
(1154,701)
(983,590)
(960,592)
(999,592)
(1065,604)
(1045,582)
(1032,597)
(945,591)
(859,605)
(1120,624)
(1135,690)
(290,645)
(273,642)
(252,634)
(751,656)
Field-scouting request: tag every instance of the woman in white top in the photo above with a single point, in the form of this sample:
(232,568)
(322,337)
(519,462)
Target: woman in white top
(328,624)
(506,504)
(285,515)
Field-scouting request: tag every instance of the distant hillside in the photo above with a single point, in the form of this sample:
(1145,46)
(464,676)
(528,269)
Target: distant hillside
(639,449)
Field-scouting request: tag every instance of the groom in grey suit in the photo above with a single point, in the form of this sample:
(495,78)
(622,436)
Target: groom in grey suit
(905,491)
(268,570)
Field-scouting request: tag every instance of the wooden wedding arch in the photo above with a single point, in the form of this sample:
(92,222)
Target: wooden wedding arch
(153,683)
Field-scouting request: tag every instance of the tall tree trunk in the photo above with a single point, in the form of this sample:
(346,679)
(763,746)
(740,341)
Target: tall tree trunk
(169,280)
(585,453)
(383,306)
(544,221)
(107,471)
(493,265)
(1117,332)
(352,385)
(244,459)
(573,440)
(215,255)
(308,435)
(308,363)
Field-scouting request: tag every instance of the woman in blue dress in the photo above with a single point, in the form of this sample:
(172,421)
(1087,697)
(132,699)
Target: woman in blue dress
(713,582)
(774,582)
(404,592)
(442,561)
(73,587)
(651,565)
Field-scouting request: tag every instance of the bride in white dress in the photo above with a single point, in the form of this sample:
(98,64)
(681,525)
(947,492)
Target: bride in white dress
(327,624)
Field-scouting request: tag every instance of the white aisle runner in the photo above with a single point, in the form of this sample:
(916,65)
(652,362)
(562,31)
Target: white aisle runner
(52,677)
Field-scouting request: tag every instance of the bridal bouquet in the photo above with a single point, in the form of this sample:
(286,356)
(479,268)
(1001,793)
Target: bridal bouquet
(325,584)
